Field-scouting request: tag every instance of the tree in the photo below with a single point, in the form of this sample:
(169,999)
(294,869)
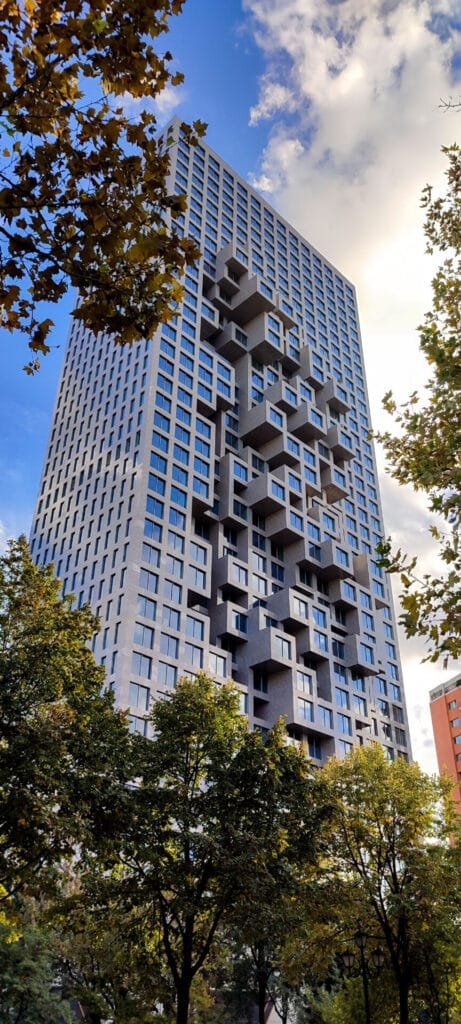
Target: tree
(210,813)
(83,193)
(392,844)
(64,751)
(27,977)
(426,451)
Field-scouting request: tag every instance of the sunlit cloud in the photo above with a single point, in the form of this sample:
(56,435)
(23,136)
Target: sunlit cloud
(347,164)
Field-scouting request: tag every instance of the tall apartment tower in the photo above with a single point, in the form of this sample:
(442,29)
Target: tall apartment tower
(213,494)
(446,725)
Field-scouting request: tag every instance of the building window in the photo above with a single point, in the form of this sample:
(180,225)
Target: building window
(169,645)
(138,725)
(305,709)
(283,647)
(167,674)
(193,655)
(141,665)
(217,665)
(143,635)
(139,697)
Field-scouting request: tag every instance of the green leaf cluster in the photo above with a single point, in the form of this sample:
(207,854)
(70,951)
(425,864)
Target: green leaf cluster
(84,200)
(426,450)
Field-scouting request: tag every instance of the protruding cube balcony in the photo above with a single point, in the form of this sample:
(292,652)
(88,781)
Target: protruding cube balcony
(219,298)
(360,655)
(264,341)
(230,622)
(230,576)
(254,297)
(340,443)
(261,424)
(231,342)
(286,526)
(291,357)
(281,451)
(335,562)
(290,607)
(233,512)
(284,396)
(271,648)
(309,371)
(334,483)
(307,422)
(307,554)
(209,322)
(315,643)
(266,494)
(335,395)
(285,311)
(343,592)
(234,257)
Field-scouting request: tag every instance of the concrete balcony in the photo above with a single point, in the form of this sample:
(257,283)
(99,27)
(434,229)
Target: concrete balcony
(286,526)
(254,297)
(281,451)
(271,649)
(335,395)
(232,511)
(358,657)
(343,593)
(285,311)
(335,562)
(308,370)
(261,424)
(307,422)
(266,494)
(284,396)
(340,443)
(265,343)
(315,643)
(209,322)
(234,258)
(229,622)
(291,608)
(334,484)
(291,358)
(307,554)
(311,481)
(231,342)
(230,576)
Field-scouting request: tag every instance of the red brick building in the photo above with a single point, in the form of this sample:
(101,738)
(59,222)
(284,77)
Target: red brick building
(446,723)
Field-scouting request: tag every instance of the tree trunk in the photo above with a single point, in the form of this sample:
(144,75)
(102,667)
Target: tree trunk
(182,1005)
(262,996)
(403,1002)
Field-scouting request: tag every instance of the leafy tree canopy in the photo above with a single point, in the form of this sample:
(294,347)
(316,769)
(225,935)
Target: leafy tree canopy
(64,751)
(426,451)
(83,194)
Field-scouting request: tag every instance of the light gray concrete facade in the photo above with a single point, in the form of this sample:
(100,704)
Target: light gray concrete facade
(213,494)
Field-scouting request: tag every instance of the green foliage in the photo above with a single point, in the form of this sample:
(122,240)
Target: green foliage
(83,197)
(426,451)
(27,976)
(63,749)
(213,813)
(391,848)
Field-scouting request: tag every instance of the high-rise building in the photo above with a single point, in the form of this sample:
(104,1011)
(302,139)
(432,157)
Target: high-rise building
(446,724)
(213,494)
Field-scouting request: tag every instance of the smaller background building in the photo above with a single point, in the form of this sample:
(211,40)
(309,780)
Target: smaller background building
(446,723)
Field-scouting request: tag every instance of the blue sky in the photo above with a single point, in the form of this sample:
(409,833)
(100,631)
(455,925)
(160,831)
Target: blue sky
(332,109)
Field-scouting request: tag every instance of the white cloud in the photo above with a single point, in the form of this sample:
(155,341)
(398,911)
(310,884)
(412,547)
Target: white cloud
(3,538)
(347,167)
(163,106)
(273,97)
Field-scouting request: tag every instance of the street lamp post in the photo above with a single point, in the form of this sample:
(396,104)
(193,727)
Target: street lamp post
(376,959)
